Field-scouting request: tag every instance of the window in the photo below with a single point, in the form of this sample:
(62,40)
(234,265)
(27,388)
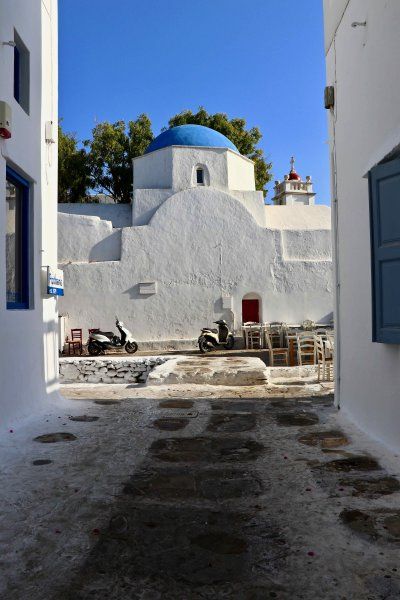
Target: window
(200,176)
(384,191)
(17,241)
(21,73)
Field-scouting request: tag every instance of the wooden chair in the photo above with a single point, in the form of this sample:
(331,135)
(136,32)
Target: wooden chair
(325,363)
(282,354)
(291,343)
(276,334)
(329,345)
(75,342)
(254,336)
(321,331)
(305,349)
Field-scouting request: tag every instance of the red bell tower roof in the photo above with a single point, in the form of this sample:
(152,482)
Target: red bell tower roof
(293,176)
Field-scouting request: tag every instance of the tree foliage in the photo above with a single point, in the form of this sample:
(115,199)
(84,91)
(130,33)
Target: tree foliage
(245,140)
(73,169)
(110,152)
(105,162)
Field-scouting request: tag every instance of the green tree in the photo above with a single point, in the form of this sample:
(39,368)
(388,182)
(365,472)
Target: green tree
(245,140)
(73,169)
(111,150)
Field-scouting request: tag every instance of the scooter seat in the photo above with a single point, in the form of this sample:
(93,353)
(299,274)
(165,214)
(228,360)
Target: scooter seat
(210,330)
(108,334)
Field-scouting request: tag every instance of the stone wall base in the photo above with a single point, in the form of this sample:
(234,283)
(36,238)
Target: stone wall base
(108,369)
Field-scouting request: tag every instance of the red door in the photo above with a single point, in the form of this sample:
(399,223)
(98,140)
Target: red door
(250,311)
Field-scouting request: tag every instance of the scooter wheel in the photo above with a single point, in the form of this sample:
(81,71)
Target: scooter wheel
(94,350)
(204,346)
(131,347)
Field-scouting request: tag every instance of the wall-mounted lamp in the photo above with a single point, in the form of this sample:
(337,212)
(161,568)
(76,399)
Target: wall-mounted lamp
(359,24)
(10,43)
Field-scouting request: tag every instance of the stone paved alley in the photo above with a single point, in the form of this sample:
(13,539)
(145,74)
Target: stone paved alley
(188,495)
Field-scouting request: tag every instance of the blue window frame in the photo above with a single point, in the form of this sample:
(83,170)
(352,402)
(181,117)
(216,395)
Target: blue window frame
(384,193)
(17,240)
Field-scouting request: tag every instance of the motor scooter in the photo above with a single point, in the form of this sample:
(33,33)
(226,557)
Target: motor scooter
(212,339)
(100,341)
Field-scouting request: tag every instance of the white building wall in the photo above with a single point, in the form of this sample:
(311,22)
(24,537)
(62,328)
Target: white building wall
(362,63)
(240,172)
(28,368)
(186,158)
(298,217)
(153,170)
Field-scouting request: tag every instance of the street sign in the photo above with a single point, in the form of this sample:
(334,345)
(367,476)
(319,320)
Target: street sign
(55,282)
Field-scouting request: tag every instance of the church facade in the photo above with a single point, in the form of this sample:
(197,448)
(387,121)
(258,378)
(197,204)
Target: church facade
(199,244)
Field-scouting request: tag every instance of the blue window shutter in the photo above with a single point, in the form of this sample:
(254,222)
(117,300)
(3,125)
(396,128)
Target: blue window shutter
(17,73)
(384,193)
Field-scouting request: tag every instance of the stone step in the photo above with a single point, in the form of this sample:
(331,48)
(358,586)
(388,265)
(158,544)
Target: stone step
(210,370)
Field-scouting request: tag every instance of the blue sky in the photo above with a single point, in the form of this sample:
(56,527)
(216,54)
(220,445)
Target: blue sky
(262,60)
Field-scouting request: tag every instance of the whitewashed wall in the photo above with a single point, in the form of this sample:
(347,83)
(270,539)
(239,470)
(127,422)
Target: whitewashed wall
(29,366)
(87,239)
(362,64)
(120,215)
(145,203)
(201,244)
(172,168)
(162,173)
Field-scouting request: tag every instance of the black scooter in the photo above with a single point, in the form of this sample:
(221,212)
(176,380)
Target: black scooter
(212,339)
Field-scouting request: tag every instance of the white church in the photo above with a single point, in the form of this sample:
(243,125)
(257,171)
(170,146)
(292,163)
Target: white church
(198,244)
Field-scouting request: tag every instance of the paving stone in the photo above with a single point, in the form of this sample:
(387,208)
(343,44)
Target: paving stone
(359,521)
(296,419)
(52,438)
(178,483)
(231,422)
(392,524)
(189,545)
(324,439)
(84,418)
(176,403)
(106,402)
(221,543)
(372,488)
(170,424)
(203,449)
(230,406)
(379,524)
(352,463)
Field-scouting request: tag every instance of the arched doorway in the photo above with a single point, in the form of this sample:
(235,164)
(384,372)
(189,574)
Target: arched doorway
(251,308)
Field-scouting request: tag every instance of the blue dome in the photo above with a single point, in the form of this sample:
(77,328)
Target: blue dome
(191,135)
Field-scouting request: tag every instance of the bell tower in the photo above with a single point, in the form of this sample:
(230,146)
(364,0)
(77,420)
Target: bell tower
(293,190)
